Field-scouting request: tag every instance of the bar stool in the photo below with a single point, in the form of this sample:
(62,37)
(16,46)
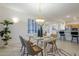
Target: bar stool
(62,35)
(74,34)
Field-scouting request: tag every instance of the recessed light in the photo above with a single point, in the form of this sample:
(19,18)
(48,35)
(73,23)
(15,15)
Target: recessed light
(68,16)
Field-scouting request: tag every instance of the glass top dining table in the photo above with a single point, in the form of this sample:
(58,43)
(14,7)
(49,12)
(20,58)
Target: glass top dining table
(44,41)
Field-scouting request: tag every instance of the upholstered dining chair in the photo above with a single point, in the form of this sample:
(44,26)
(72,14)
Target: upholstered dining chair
(53,42)
(31,49)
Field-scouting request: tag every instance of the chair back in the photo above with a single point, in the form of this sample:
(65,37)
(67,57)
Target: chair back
(29,48)
(74,33)
(61,33)
(22,41)
(54,35)
(27,44)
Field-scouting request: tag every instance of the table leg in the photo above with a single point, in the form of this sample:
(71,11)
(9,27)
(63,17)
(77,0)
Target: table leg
(37,42)
(45,45)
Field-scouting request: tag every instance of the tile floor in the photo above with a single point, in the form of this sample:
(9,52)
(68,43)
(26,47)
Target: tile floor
(13,49)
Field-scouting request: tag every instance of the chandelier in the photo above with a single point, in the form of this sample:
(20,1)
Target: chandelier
(40,19)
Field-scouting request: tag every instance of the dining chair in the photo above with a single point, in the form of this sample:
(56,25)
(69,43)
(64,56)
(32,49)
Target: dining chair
(74,34)
(29,48)
(33,49)
(62,35)
(22,43)
(54,46)
(53,43)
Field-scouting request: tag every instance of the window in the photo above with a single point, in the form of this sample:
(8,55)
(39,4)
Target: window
(32,26)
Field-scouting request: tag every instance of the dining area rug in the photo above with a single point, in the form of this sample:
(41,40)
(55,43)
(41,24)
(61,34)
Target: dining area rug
(59,52)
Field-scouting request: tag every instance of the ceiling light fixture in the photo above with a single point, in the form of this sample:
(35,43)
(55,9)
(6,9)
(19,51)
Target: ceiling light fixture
(40,19)
(15,19)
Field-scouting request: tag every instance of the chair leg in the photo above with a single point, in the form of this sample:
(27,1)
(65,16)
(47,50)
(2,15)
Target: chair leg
(60,37)
(42,53)
(64,38)
(21,48)
(77,40)
(52,48)
(72,39)
(55,47)
(23,52)
(27,54)
(37,42)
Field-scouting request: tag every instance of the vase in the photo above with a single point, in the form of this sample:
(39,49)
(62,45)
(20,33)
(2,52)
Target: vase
(5,43)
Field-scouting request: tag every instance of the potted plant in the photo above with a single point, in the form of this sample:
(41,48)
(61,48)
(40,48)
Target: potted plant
(5,33)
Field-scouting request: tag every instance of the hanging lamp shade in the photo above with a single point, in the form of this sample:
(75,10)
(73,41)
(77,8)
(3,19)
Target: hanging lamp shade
(40,19)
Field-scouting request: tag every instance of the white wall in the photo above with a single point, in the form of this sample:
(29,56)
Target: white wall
(19,29)
(16,29)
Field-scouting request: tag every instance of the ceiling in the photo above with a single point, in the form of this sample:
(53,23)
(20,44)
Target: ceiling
(50,11)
